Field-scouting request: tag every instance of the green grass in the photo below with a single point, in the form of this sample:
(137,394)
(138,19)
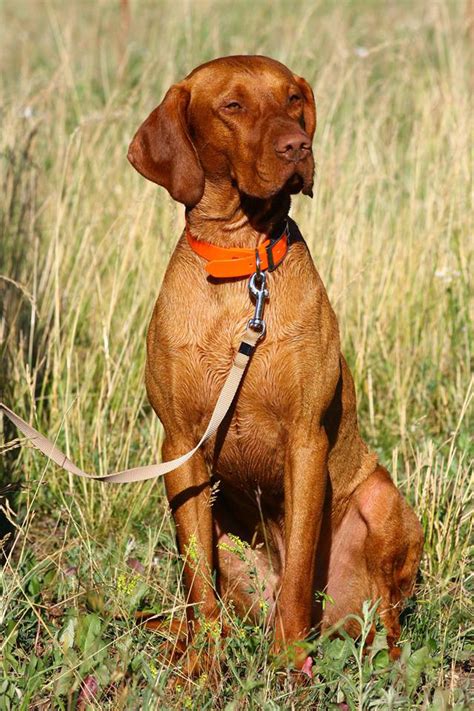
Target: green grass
(84,244)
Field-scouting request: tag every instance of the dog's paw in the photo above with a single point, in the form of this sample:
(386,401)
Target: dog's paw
(307,667)
(292,655)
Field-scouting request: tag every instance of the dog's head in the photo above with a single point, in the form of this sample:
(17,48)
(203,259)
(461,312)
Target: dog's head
(246,121)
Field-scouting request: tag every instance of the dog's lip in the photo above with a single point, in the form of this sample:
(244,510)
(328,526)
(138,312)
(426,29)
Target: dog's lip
(299,180)
(296,178)
(295,183)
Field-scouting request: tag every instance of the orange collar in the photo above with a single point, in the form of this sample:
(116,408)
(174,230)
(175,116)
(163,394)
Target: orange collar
(227,262)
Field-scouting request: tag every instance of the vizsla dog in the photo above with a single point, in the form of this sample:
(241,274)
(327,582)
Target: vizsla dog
(288,472)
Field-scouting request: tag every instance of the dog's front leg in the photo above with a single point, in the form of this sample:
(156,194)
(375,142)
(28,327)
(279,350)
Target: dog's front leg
(188,491)
(305,487)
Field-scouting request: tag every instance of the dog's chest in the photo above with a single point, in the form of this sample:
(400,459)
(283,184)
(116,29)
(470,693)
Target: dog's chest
(249,449)
(192,341)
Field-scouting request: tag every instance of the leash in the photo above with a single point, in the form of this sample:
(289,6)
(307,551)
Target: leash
(254,331)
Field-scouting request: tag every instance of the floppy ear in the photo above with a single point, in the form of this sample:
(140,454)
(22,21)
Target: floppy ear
(163,152)
(309,109)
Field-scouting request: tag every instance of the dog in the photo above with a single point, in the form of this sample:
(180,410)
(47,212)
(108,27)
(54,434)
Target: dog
(287,475)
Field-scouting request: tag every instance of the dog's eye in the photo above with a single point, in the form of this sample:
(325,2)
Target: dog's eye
(233,106)
(294,98)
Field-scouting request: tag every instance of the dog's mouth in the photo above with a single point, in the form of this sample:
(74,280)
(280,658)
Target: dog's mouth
(300,181)
(297,177)
(292,179)
(294,184)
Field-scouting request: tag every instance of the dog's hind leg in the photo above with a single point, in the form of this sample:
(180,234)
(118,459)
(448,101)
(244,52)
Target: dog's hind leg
(375,553)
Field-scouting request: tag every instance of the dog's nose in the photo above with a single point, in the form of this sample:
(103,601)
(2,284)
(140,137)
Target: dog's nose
(293,146)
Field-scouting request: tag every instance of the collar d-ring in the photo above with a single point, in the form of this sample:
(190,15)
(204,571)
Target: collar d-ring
(258,271)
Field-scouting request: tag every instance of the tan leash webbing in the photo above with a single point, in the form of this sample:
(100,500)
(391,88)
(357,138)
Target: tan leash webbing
(151,471)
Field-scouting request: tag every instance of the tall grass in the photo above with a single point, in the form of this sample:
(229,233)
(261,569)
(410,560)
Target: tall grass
(84,245)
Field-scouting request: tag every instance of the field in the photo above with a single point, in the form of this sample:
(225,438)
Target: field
(84,244)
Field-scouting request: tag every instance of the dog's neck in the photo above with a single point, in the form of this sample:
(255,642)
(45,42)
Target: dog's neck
(227,218)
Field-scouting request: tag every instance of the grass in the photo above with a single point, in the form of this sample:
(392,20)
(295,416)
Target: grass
(84,245)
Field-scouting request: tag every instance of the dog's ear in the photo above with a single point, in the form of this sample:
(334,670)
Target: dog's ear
(162,150)
(309,109)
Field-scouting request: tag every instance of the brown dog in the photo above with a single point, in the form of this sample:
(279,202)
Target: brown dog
(232,141)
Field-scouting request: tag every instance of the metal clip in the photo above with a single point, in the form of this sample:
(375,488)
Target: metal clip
(260,293)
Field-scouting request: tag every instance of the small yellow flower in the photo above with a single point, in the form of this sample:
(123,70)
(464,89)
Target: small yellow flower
(153,670)
(237,546)
(202,681)
(126,585)
(212,628)
(192,552)
(263,606)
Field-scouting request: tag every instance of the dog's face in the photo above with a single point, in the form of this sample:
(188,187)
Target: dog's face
(245,121)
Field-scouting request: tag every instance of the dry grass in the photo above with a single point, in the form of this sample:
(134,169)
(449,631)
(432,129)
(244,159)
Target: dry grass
(84,245)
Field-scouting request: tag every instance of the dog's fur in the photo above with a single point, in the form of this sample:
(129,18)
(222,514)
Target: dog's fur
(232,142)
